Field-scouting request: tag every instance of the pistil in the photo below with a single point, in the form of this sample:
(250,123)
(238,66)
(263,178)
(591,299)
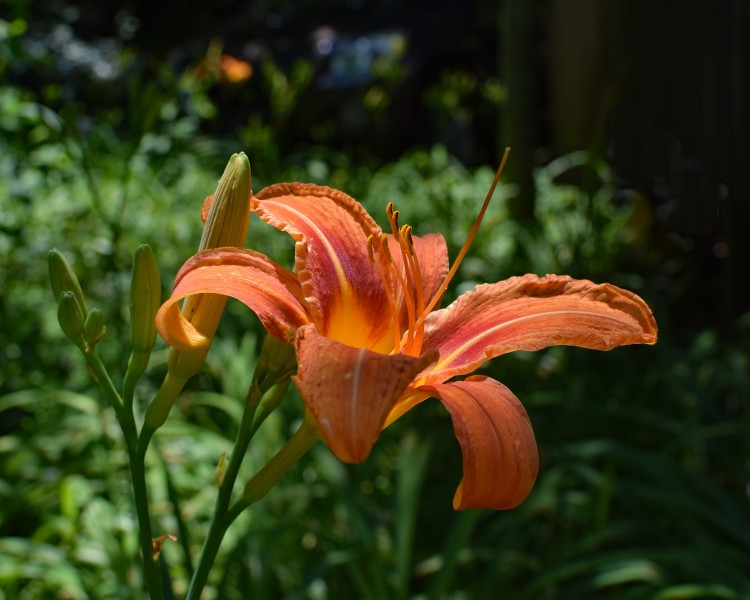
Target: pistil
(467,243)
(410,280)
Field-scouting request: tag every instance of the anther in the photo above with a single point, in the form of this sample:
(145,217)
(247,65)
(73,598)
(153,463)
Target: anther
(384,247)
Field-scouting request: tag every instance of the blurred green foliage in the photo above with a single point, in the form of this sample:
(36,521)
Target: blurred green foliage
(642,492)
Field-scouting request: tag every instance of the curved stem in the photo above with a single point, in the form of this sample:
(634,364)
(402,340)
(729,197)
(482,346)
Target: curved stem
(99,373)
(136,366)
(165,398)
(151,575)
(208,552)
(297,446)
(221,518)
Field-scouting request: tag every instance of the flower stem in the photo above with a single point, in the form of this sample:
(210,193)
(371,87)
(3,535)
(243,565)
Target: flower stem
(303,439)
(151,575)
(165,398)
(297,446)
(222,519)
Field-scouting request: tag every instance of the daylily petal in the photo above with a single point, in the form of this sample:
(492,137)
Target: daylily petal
(500,456)
(268,289)
(350,390)
(341,286)
(432,255)
(530,313)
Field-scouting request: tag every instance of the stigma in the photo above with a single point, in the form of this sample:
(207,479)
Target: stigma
(395,258)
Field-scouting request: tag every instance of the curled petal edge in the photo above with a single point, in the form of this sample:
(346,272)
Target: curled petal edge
(500,457)
(530,313)
(268,289)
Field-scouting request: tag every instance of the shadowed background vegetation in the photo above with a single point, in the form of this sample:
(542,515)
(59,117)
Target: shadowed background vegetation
(630,148)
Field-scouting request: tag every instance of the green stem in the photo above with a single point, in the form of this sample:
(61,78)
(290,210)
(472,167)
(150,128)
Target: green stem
(151,575)
(221,518)
(210,549)
(136,366)
(242,440)
(183,531)
(100,375)
(297,446)
(303,439)
(159,409)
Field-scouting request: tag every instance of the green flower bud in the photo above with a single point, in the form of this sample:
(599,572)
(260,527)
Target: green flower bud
(226,225)
(221,469)
(93,327)
(145,298)
(63,279)
(70,316)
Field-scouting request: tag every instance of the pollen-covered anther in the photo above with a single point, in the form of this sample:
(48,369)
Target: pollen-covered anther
(406,234)
(392,219)
(384,247)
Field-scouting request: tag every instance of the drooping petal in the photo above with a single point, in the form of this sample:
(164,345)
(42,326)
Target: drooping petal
(500,459)
(432,255)
(530,313)
(268,289)
(341,286)
(350,390)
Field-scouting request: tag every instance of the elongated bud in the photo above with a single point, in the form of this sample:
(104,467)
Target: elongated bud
(70,316)
(93,327)
(145,298)
(221,469)
(63,279)
(226,225)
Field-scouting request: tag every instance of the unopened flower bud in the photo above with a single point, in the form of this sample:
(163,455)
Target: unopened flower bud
(63,279)
(228,216)
(226,225)
(221,469)
(93,326)
(145,298)
(70,316)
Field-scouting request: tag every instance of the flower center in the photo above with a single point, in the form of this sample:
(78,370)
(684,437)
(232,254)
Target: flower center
(402,276)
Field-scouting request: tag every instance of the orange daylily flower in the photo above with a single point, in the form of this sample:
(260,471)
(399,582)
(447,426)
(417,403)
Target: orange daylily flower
(360,308)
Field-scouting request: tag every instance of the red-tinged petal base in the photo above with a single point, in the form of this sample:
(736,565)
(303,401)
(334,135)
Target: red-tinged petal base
(340,284)
(268,289)
(351,390)
(500,458)
(531,313)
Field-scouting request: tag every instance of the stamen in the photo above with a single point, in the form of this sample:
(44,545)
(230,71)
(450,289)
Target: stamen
(467,243)
(387,287)
(392,218)
(407,285)
(384,247)
(416,345)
